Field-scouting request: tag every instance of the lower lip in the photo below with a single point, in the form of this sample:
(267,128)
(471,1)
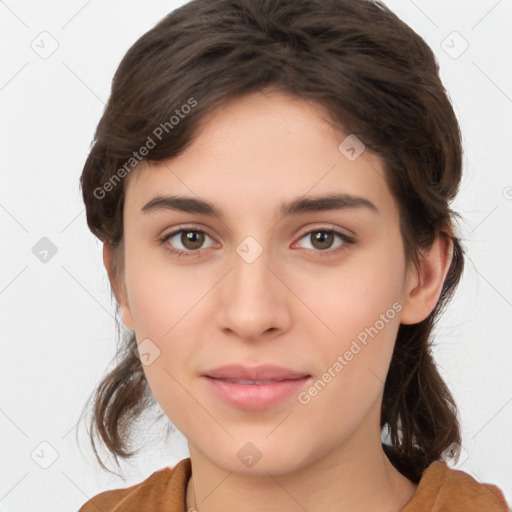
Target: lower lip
(254,396)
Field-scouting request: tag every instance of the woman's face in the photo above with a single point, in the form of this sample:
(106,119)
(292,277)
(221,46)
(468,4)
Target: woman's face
(317,289)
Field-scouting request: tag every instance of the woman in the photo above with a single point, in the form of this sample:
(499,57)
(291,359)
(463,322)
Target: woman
(272,183)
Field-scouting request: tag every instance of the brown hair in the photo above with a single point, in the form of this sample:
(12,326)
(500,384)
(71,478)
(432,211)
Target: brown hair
(376,78)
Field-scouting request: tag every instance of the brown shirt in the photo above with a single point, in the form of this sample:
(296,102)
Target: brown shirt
(441,489)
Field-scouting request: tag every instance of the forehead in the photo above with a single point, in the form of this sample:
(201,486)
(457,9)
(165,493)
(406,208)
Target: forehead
(262,150)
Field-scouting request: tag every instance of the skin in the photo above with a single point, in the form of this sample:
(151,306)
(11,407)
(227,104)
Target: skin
(293,306)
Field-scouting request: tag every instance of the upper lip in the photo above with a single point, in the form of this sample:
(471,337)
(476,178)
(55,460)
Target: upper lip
(261,372)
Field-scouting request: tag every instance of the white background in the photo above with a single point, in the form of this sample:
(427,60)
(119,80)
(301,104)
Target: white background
(58,318)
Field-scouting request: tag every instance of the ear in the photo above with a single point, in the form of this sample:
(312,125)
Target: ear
(424,285)
(117,287)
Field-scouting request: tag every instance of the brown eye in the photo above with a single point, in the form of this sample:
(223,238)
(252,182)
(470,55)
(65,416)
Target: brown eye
(192,240)
(322,239)
(185,242)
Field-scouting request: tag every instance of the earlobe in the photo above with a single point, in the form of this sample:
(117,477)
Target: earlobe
(424,285)
(117,286)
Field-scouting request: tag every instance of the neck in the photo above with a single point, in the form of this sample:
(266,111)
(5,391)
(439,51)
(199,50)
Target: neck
(355,477)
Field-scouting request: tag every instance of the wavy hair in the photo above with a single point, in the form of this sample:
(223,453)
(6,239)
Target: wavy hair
(377,79)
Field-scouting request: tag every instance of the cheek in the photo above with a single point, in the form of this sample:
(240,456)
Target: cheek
(353,362)
(359,307)
(163,308)
(352,296)
(161,295)
(166,307)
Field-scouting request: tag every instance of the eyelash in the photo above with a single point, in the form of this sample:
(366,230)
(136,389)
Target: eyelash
(328,252)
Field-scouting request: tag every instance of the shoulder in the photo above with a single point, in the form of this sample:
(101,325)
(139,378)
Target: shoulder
(165,487)
(442,488)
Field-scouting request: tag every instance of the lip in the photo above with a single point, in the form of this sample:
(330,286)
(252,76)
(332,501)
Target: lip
(284,383)
(261,372)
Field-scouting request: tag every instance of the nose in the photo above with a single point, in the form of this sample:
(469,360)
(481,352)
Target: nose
(254,298)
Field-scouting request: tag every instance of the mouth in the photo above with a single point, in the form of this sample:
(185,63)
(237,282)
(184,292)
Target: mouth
(263,374)
(252,394)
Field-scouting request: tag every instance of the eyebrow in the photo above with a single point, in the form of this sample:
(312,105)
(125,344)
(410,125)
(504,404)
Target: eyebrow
(305,204)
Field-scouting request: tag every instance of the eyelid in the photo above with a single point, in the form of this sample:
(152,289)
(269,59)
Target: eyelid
(187,227)
(336,229)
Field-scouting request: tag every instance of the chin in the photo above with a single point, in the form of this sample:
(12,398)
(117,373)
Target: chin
(259,458)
